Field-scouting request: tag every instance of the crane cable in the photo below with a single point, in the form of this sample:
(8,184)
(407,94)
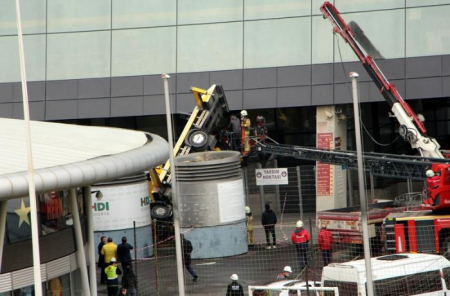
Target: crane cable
(349,90)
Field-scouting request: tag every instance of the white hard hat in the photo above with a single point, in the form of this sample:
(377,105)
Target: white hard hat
(244,113)
(234,277)
(247,210)
(299,223)
(112,260)
(430,173)
(287,269)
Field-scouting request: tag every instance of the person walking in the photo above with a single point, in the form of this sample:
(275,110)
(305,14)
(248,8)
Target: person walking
(300,238)
(234,288)
(249,215)
(187,250)
(109,251)
(112,274)
(286,274)
(101,260)
(123,253)
(129,281)
(268,220)
(325,243)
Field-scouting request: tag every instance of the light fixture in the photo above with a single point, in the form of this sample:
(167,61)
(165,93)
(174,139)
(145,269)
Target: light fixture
(98,194)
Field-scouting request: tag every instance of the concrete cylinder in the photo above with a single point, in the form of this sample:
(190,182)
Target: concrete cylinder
(212,202)
(121,203)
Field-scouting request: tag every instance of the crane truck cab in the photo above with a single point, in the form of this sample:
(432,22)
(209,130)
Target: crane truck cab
(398,274)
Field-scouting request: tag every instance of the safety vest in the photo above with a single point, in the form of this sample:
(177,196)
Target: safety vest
(111,272)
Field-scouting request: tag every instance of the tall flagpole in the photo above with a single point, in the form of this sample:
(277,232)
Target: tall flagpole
(31,185)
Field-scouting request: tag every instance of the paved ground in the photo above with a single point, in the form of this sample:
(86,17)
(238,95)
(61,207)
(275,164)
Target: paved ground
(258,266)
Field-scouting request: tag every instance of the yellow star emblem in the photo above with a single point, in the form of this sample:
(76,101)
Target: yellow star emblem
(23,213)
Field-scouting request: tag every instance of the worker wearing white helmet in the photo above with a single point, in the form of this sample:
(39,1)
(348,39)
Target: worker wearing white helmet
(433,182)
(430,173)
(287,270)
(249,216)
(234,288)
(300,238)
(245,125)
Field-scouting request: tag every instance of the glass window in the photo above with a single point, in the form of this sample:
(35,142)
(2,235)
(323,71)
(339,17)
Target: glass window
(424,282)
(373,37)
(143,13)
(210,47)
(78,15)
(413,3)
(78,55)
(274,43)
(427,31)
(34,47)
(143,51)
(18,220)
(54,209)
(58,286)
(364,5)
(209,11)
(322,41)
(263,9)
(345,288)
(32,14)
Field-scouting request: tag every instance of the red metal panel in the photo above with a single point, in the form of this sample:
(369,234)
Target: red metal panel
(412,235)
(399,233)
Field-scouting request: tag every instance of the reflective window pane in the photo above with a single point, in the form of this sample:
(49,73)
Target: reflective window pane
(32,14)
(322,41)
(209,11)
(427,31)
(274,43)
(78,55)
(262,9)
(415,3)
(365,5)
(373,37)
(34,47)
(209,47)
(143,13)
(78,15)
(143,51)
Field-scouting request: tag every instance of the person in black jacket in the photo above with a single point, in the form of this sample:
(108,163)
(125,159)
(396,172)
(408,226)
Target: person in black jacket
(123,253)
(234,288)
(187,250)
(101,260)
(129,281)
(268,220)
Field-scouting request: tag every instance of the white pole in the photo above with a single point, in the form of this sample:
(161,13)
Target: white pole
(176,216)
(3,213)
(81,257)
(362,191)
(91,242)
(31,185)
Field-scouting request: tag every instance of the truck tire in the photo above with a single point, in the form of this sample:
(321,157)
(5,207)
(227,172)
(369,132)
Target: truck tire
(445,248)
(161,211)
(197,139)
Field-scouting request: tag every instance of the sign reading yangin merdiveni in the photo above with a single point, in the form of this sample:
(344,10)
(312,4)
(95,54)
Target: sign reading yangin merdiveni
(275,176)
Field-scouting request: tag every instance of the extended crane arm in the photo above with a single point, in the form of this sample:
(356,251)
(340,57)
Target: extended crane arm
(411,128)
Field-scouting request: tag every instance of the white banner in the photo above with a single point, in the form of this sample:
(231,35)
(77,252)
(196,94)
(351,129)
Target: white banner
(275,176)
(120,206)
(231,201)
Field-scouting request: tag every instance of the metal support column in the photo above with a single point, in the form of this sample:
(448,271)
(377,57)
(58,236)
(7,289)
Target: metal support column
(362,191)
(262,198)
(277,187)
(350,187)
(300,197)
(81,257)
(372,187)
(91,242)
(3,214)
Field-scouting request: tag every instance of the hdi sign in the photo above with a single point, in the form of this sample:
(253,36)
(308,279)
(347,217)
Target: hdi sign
(275,176)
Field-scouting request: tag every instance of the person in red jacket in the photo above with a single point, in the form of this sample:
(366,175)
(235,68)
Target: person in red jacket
(300,238)
(325,242)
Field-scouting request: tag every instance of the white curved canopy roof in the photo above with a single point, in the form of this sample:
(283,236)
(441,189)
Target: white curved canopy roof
(67,156)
